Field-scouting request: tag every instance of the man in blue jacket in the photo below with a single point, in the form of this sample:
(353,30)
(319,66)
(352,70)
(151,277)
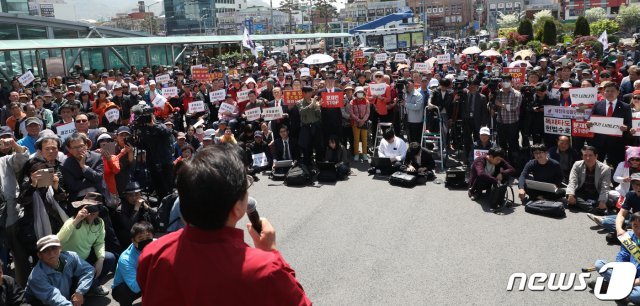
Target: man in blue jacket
(125,287)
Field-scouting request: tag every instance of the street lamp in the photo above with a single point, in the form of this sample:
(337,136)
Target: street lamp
(151,17)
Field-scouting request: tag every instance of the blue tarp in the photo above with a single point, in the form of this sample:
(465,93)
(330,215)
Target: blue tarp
(382,21)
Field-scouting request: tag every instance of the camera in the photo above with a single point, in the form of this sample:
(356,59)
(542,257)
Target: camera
(527,90)
(459,85)
(92,208)
(142,114)
(400,85)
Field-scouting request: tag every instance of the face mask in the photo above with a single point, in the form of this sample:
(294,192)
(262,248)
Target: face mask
(506,85)
(135,93)
(143,244)
(360,95)
(629,63)
(180,78)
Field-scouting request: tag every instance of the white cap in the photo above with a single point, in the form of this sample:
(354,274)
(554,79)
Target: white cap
(433,83)
(485,131)
(152,82)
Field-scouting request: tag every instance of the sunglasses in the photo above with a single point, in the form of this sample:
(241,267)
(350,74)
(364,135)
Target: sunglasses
(634,159)
(636,97)
(564,89)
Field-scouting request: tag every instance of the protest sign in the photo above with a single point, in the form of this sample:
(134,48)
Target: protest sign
(400,57)
(112,115)
(196,107)
(583,96)
(332,99)
(270,62)
(304,72)
(443,58)
(579,128)
(378,89)
(479,153)
(635,122)
(217,75)
(66,130)
(218,95)
(26,78)
(272,113)
(517,74)
(564,112)
(557,126)
(420,67)
(606,125)
(292,97)
(243,95)
(358,54)
(341,67)
(159,101)
(200,73)
(163,79)
(253,113)
(360,61)
(226,107)
(260,160)
(169,92)
(381,57)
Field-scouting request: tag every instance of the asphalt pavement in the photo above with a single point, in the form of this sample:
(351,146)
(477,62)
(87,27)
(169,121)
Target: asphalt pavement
(365,242)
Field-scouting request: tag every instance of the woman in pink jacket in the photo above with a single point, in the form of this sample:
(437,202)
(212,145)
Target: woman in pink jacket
(359,113)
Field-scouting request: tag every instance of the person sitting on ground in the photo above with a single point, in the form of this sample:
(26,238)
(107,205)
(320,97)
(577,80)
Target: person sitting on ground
(483,144)
(615,224)
(565,155)
(589,182)
(419,162)
(52,279)
(12,293)
(336,153)
(624,256)
(84,234)
(623,173)
(393,148)
(540,169)
(284,148)
(259,146)
(125,288)
(487,171)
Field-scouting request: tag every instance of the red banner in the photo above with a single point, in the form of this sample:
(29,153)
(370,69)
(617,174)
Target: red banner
(579,128)
(358,53)
(200,74)
(517,74)
(360,61)
(291,97)
(332,99)
(217,75)
(341,67)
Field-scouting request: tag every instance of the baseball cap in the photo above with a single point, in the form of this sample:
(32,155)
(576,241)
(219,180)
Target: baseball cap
(47,241)
(104,136)
(635,177)
(152,82)
(258,134)
(32,120)
(208,134)
(182,135)
(485,131)
(5,130)
(123,129)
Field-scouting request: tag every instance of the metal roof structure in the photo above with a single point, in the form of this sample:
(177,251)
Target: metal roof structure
(35,44)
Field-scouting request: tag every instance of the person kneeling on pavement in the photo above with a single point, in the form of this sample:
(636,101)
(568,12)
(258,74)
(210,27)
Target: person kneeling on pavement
(615,224)
(336,153)
(624,256)
(125,286)
(419,162)
(540,169)
(393,148)
(589,183)
(483,144)
(487,171)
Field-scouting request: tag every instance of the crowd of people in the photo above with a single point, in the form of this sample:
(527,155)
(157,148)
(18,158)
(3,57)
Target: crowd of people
(95,163)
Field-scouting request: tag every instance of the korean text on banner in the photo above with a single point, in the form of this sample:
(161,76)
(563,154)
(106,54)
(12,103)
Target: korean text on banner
(332,99)
(270,62)
(381,57)
(583,96)
(218,95)
(360,61)
(272,113)
(378,89)
(196,107)
(606,125)
(420,67)
(260,160)
(479,153)
(358,53)
(217,75)
(112,115)
(443,58)
(304,72)
(26,78)
(163,78)
(159,101)
(400,57)
(564,112)
(169,92)
(292,97)
(579,128)
(200,74)
(226,107)
(557,126)
(253,114)
(517,74)
(66,130)
(243,95)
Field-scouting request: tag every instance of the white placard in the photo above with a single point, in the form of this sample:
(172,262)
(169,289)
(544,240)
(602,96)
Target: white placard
(261,89)
(226,107)
(218,95)
(270,62)
(243,95)
(304,72)
(381,57)
(196,107)
(272,113)
(163,78)
(260,160)
(606,125)
(635,122)
(420,67)
(583,96)
(565,112)
(253,114)
(443,58)
(400,57)
(554,93)
(479,153)
(170,92)
(557,126)
(378,89)
(159,101)
(26,78)
(112,115)
(66,130)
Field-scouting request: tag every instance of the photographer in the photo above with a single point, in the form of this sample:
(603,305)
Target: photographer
(508,102)
(155,139)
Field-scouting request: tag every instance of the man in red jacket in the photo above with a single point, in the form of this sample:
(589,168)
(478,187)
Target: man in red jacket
(208,262)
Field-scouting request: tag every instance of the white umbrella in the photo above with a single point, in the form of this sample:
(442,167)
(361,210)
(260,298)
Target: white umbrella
(431,61)
(472,50)
(490,53)
(318,59)
(519,64)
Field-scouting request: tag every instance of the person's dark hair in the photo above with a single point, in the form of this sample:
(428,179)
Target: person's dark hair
(333,138)
(414,147)
(445,82)
(210,185)
(591,81)
(538,147)
(141,227)
(40,142)
(388,134)
(307,89)
(496,152)
(75,137)
(608,84)
(14,104)
(91,116)
(284,126)
(634,217)
(590,148)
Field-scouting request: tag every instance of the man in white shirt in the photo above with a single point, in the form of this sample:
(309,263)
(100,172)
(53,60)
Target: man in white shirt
(393,148)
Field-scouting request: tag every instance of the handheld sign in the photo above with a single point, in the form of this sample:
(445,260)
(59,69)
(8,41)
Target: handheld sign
(579,128)
(358,53)
(381,57)
(557,126)
(341,67)
(270,62)
(159,101)
(169,92)
(583,96)
(517,74)
(218,95)
(378,89)
(606,125)
(226,107)
(332,100)
(26,78)
(360,61)
(562,112)
(420,67)
(260,160)
(200,73)
(65,130)
(400,57)
(112,115)
(272,113)
(304,72)
(243,95)
(479,153)
(163,79)
(217,75)
(253,114)
(291,97)
(196,107)
(635,121)
(443,58)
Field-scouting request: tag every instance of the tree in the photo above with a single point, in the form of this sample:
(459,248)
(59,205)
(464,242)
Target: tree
(611,26)
(539,20)
(526,28)
(550,34)
(326,10)
(508,21)
(595,14)
(582,27)
(289,6)
(629,17)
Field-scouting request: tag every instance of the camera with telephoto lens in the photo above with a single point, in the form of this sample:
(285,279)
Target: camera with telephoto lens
(459,85)
(400,85)
(492,85)
(142,115)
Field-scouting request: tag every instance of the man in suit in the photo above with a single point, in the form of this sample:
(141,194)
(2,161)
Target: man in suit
(609,146)
(285,148)
(331,117)
(474,114)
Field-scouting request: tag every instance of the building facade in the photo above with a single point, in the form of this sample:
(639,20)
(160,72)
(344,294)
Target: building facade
(575,8)
(193,17)
(14,6)
(444,17)
(494,9)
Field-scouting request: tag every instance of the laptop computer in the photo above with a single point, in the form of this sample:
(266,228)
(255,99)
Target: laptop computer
(381,162)
(326,165)
(541,186)
(283,163)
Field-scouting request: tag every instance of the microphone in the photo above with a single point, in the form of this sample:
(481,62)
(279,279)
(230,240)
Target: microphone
(252,213)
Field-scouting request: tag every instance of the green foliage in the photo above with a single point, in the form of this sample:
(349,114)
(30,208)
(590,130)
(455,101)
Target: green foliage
(596,46)
(595,14)
(536,46)
(629,17)
(504,32)
(611,26)
(508,21)
(494,45)
(482,46)
(550,34)
(231,57)
(526,28)
(582,27)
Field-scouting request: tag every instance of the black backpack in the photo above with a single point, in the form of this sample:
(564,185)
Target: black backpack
(164,211)
(497,195)
(546,208)
(298,175)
